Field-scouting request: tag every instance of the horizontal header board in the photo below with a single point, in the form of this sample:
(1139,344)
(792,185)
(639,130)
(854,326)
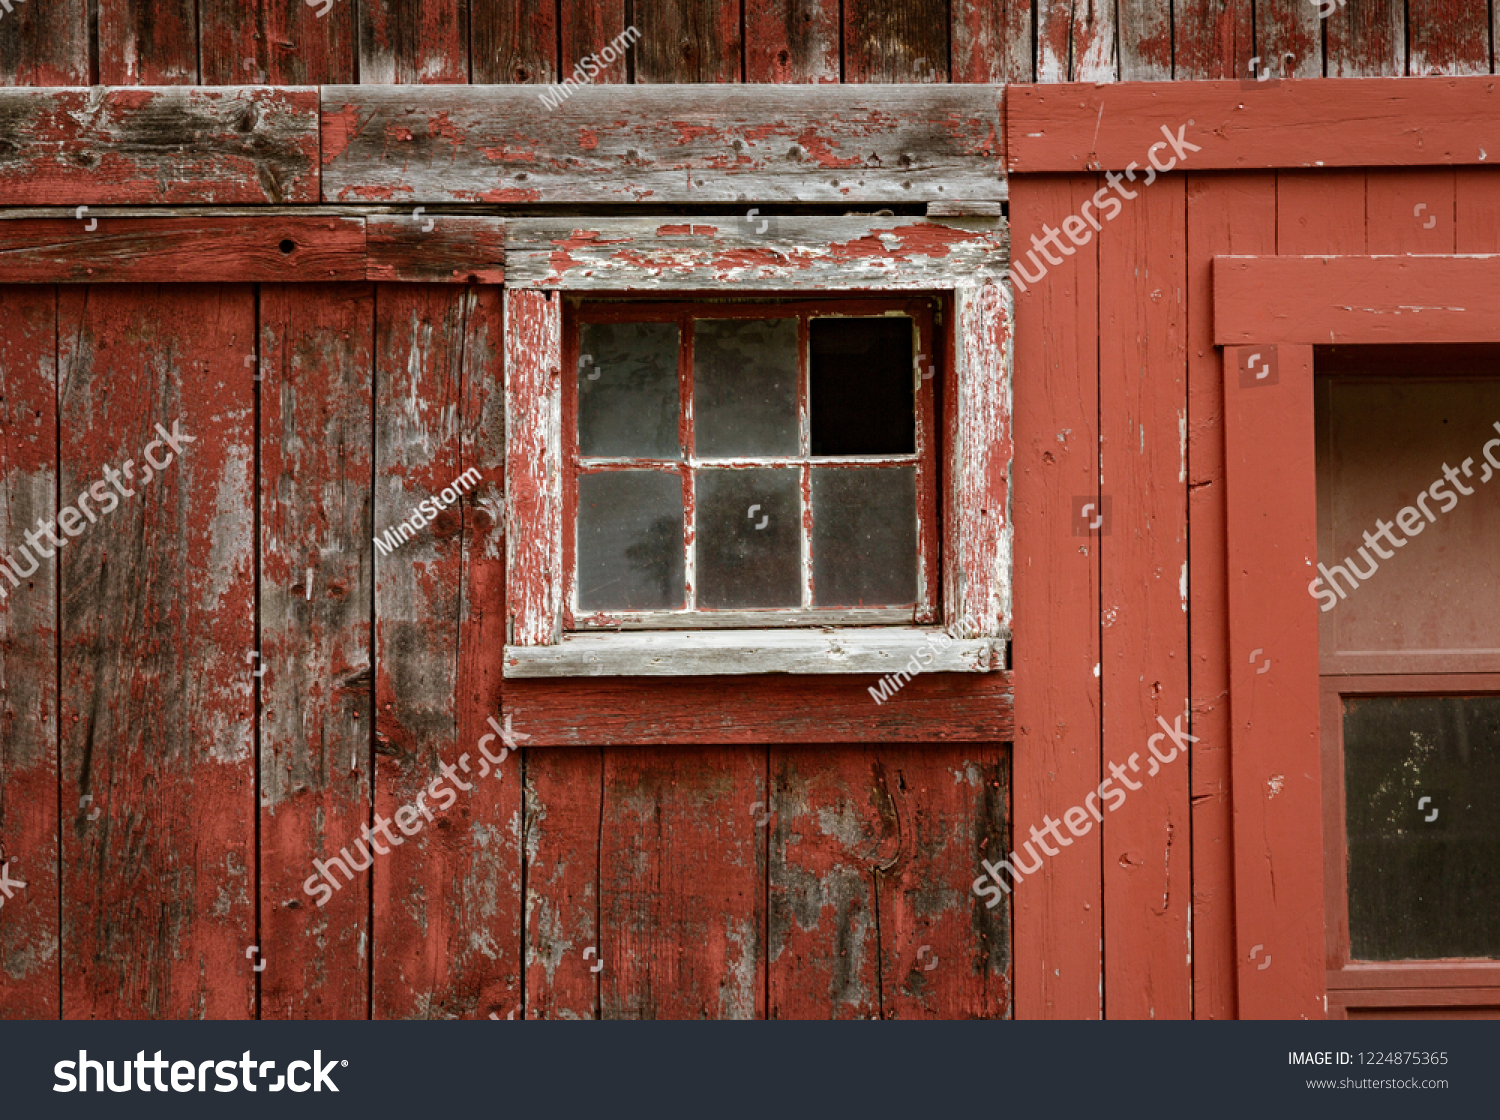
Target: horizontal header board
(753,253)
(1325,122)
(661,144)
(170,144)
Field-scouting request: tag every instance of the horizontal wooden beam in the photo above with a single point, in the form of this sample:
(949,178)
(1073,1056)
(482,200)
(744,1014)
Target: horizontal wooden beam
(662,144)
(455,249)
(753,253)
(1324,122)
(167,144)
(684,653)
(1322,300)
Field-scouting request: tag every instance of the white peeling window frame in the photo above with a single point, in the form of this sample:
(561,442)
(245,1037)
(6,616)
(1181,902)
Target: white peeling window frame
(964,258)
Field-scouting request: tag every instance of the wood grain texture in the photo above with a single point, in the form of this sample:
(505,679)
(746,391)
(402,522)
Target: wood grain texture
(1143,598)
(1276,770)
(29,935)
(895,40)
(413,42)
(660,145)
(1226,214)
(157,706)
(688,41)
(1337,122)
(588,26)
(45,44)
(952,707)
(533,467)
(1477,210)
(1289,36)
(990,41)
(807,254)
(1320,212)
(1076,41)
(131,249)
(118,146)
(1367,40)
(146,43)
(315,360)
(1212,39)
(456,250)
(794,41)
(513,41)
(277,42)
(447,936)
(1409,211)
(1448,37)
(682,885)
(1145,41)
(1058,912)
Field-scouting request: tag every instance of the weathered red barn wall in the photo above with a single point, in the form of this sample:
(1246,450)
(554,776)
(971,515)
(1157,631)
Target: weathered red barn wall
(652,854)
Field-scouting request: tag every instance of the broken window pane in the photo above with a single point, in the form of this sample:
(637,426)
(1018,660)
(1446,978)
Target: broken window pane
(745,387)
(628,390)
(630,541)
(748,538)
(864,540)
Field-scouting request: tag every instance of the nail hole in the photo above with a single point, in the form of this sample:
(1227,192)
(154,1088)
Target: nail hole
(288,245)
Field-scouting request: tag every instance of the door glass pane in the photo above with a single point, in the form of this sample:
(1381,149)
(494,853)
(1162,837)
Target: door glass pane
(628,390)
(1422,781)
(631,554)
(864,540)
(861,399)
(745,387)
(748,538)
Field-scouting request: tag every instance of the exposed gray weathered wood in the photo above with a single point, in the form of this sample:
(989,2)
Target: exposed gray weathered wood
(872,649)
(753,252)
(661,144)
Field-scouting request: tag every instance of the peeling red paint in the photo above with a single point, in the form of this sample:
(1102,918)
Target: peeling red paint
(588,139)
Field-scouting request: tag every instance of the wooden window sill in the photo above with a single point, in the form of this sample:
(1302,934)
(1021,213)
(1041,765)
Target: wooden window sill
(699,653)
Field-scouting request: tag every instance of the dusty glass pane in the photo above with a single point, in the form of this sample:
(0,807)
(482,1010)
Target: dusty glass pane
(628,390)
(745,387)
(860,397)
(748,538)
(1422,806)
(630,550)
(864,542)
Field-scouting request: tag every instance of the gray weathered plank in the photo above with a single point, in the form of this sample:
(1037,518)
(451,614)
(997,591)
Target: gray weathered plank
(220,145)
(790,253)
(662,145)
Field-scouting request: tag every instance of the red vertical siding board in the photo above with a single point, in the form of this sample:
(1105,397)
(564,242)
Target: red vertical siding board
(1320,212)
(896,41)
(1367,40)
(1409,211)
(413,42)
(533,468)
(1076,41)
(1477,210)
(148,43)
(588,26)
(446,942)
(1286,28)
(1145,40)
(514,41)
(277,42)
(1226,214)
(29,935)
(793,41)
(315,361)
(1058,911)
(1212,39)
(1448,37)
(1143,405)
(45,44)
(990,41)
(687,41)
(157,711)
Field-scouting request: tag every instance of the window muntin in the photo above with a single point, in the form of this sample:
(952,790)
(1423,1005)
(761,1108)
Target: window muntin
(785,412)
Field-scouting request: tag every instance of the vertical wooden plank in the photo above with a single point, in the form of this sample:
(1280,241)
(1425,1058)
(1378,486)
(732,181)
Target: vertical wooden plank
(944,955)
(514,41)
(29,956)
(1409,211)
(45,44)
(1226,214)
(317,413)
(1367,40)
(831,824)
(533,466)
(1076,41)
(793,41)
(1477,210)
(1286,28)
(1320,212)
(413,42)
(896,41)
(991,41)
(1058,908)
(1143,435)
(446,942)
(588,26)
(688,41)
(1212,39)
(1145,40)
(157,620)
(277,42)
(148,43)
(1275,758)
(682,885)
(1448,37)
